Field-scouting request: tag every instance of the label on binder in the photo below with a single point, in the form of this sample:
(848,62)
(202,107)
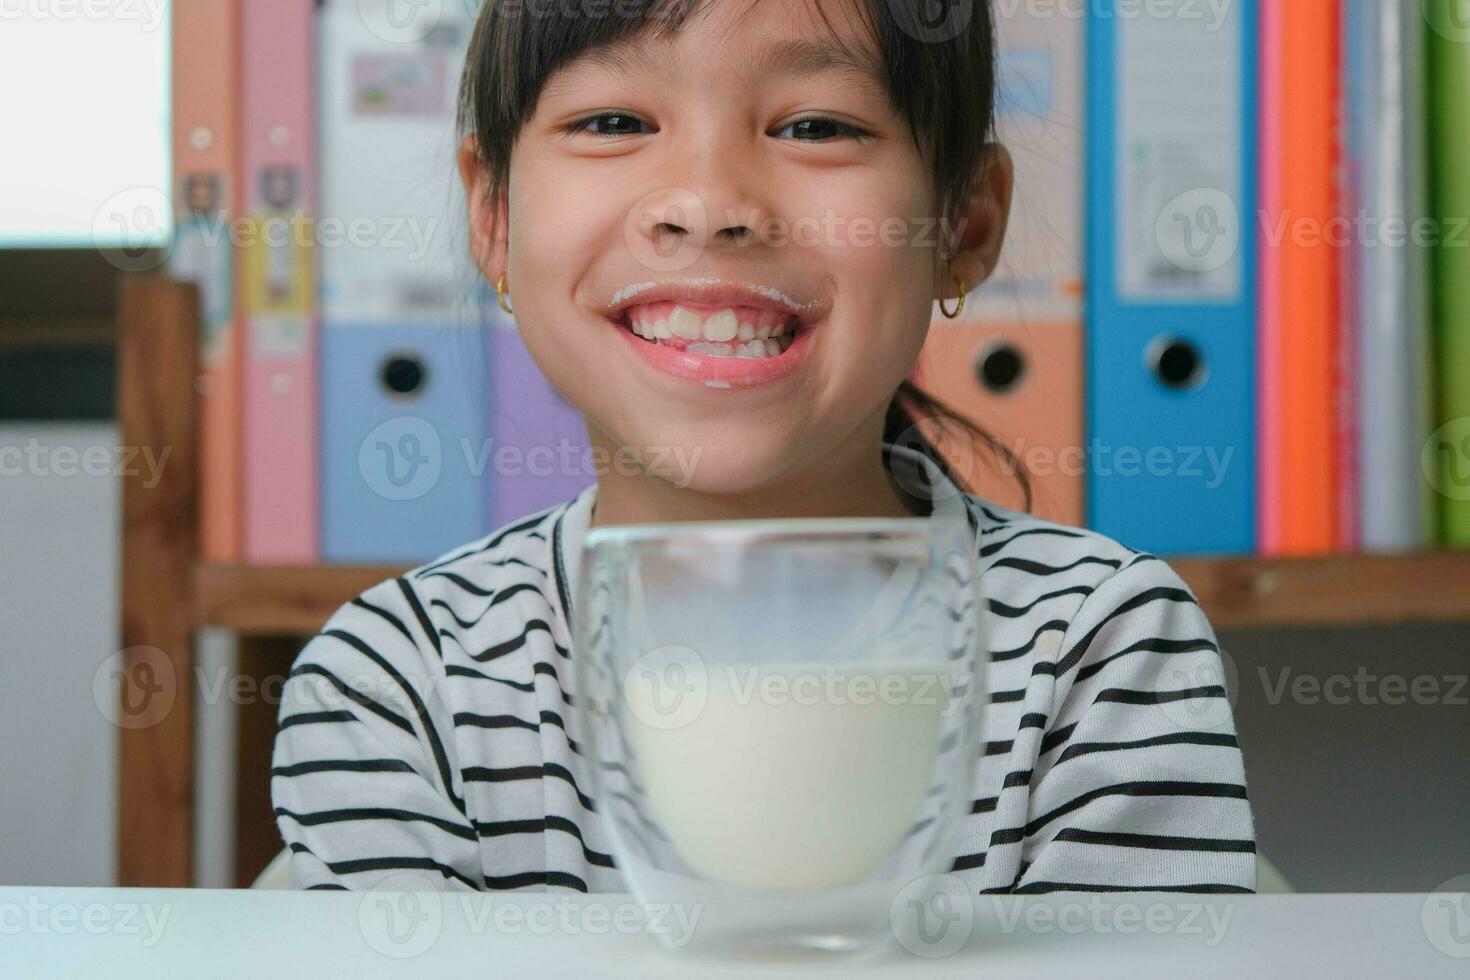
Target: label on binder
(1178,160)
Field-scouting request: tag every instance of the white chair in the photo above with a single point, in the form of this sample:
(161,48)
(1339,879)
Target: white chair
(1270,881)
(277,874)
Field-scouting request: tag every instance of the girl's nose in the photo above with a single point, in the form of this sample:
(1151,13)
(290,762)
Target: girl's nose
(738,233)
(716,192)
(669,229)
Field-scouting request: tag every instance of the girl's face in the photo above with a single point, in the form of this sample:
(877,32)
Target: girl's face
(745,149)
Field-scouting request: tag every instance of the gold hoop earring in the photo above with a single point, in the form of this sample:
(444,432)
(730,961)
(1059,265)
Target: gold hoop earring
(500,295)
(964,290)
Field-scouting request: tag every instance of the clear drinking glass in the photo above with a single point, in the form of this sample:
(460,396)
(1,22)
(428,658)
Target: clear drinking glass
(782,718)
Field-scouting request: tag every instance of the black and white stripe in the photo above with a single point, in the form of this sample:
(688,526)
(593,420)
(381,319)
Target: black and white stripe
(429,727)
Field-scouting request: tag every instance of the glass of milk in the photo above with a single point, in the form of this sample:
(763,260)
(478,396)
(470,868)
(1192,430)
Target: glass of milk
(781,719)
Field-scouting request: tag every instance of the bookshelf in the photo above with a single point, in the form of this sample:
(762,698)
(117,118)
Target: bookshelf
(168,594)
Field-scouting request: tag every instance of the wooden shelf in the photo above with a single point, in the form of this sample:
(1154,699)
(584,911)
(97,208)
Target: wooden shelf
(278,600)
(1236,592)
(1331,590)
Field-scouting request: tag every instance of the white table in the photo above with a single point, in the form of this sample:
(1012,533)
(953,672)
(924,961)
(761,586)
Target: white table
(123,934)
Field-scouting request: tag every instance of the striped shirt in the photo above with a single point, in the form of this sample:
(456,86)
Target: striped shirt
(428,727)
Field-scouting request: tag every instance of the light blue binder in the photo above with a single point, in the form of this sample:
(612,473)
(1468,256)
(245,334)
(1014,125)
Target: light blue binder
(406,430)
(404,378)
(1171,273)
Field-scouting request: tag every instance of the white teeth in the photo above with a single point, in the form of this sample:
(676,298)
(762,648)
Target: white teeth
(685,323)
(721,335)
(721,327)
(711,350)
(751,348)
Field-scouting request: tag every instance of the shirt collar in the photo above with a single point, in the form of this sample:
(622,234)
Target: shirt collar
(915,470)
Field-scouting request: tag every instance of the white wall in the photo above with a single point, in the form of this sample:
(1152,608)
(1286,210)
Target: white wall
(60,521)
(58,623)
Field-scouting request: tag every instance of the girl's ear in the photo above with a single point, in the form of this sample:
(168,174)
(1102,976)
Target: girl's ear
(976,242)
(487,231)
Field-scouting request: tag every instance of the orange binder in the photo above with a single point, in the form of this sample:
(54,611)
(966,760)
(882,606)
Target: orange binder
(1013,361)
(1299,467)
(1022,383)
(206,190)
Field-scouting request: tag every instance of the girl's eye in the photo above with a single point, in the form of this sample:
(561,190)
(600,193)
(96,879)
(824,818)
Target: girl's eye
(819,129)
(619,121)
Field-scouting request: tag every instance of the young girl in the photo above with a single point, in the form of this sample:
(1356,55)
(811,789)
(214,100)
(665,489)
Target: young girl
(639,175)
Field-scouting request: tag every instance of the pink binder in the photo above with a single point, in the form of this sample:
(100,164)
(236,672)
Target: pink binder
(278,281)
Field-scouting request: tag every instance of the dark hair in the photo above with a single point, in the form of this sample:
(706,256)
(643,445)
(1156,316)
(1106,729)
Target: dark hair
(939,79)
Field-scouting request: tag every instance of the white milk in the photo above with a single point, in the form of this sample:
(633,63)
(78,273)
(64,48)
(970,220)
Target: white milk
(793,777)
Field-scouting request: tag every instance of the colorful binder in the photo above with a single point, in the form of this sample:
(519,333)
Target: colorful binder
(205,153)
(1013,360)
(1300,307)
(1388,304)
(1268,382)
(540,451)
(1446,455)
(277,283)
(1171,279)
(1353,90)
(1021,383)
(405,359)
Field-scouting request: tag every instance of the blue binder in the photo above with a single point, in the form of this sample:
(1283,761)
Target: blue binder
(1171,273)
(404,374)
(405,411)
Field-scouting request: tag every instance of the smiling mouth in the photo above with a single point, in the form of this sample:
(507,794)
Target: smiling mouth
(729,331)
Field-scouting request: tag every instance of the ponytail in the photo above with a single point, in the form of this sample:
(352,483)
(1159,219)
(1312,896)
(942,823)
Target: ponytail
(911,405)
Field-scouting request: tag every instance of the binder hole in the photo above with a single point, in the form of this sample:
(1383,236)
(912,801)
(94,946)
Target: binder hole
(404,375)
(1176,362)
(1000,368)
